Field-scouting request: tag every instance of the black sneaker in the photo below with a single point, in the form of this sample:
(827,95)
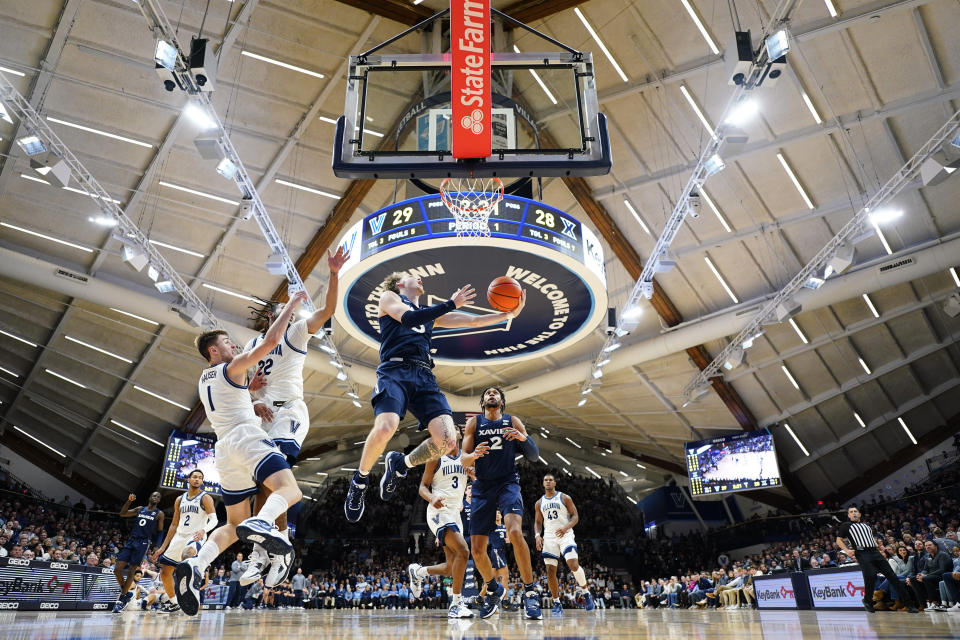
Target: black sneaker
(394,470)
(353,506)
(868,605)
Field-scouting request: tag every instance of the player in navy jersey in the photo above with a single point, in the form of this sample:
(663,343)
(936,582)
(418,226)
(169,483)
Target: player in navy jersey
(149,520)
(405,381)
(497,486)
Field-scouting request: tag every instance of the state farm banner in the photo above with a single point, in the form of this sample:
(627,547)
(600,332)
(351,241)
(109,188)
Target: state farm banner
(34,584)
(775,592)
(470,36)
(836,588)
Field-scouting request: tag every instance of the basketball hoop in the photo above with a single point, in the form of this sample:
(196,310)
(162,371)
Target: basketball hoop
(471,200)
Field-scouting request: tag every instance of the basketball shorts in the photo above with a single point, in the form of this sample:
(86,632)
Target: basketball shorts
(555,548)
(289,428)
(402,387)
(498,558)
(246,456)
(442,520)
(490,495)
(178,544)
(134,551)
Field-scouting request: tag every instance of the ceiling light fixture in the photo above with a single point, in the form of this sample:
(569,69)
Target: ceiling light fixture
(796,328)
(832,9)
(636,217)
(603,47)
(231,293)
(796,439)
(89,195)
(956,278)
(873,309)
(572,442)
(536,76)
(790,377)
(202,194)
(45,237)
(864,365)
(38,440)
(160,397)
(631,500)
(103,221)
(176,248)
(795,181)
(301,187)
(811,108)
(696,109)
(135,432)
(10,373)
(98,132)
(593,472)
(716,211)
(13,71)
(133,315)
(560,455)
(907,430)
(859,420)
(199,116)
(285,65)
(723,282)
(32,145)
(18,338)
(103,351)
(65,378)
(701,27)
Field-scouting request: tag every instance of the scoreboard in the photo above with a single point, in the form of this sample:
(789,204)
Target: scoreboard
(513,217)
(186,452)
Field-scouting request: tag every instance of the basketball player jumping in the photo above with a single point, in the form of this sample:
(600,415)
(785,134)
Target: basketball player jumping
(149,520)
(556,517)
(280,404)
(498,487)
(405,381)
(443,484)
(245,456)
(193,518)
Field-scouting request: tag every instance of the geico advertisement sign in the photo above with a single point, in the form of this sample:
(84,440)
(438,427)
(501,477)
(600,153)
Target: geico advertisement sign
(838,590)
(775,593)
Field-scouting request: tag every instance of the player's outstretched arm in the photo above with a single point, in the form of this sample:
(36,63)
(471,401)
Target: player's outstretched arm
(238,366)
(456,319)
(170,532)
(335,261)
(469,431)
(426,480)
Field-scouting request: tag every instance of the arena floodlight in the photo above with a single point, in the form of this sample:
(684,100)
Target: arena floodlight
(165,55)
(52,167)
(134,257)
(582,402)
(745,109)
(4,114)
(778,44)
(734,360)
(32,145)
(840,261)
(227,168)
(714,164)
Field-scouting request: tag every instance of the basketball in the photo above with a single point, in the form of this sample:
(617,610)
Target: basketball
(504,293)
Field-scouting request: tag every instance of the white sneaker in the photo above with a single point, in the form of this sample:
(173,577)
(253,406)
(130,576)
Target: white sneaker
(416,583)
(459,610)
(279,568)
(955,608)
(257,560)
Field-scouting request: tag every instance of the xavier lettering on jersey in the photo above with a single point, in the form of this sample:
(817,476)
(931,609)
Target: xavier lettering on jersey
(499,460)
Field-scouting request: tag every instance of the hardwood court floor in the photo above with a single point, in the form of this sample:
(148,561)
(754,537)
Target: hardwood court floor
(424,625)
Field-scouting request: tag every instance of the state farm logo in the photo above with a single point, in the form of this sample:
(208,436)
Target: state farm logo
(473,122)
(49,605)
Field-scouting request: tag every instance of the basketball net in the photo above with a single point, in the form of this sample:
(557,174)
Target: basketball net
(471,200)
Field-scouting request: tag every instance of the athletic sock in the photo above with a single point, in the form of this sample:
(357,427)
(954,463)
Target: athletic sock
(285,533)
(529,587)
(581,577)
(272,508)
(421,572)
(492,585)
(457,598)
(406,461)
(208,553)
(360,475)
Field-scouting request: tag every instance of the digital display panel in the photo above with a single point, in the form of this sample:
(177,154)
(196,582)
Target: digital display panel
(186,452)
(739,462)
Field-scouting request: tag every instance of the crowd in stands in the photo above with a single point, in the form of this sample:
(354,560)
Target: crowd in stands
(363,566)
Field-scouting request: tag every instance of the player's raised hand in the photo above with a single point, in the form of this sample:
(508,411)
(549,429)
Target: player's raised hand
(511,433)
(263,412)
(336,260)
(523,302)
(463,296)
(437,503)
(298,298)
(478,452)
(131,497)
(258,381)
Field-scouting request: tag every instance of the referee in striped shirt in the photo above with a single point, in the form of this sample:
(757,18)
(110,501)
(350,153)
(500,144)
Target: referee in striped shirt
(868,555)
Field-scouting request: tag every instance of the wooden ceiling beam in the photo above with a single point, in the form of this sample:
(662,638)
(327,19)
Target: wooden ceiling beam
(397,10)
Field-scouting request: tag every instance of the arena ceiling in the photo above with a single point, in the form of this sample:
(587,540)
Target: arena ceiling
(881,76)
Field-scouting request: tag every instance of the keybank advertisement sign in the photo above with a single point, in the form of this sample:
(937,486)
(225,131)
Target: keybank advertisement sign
(555,259)
(774,593)
(841,589)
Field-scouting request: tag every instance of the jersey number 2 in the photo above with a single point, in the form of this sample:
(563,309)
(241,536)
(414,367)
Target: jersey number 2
(264,366)
(496,443)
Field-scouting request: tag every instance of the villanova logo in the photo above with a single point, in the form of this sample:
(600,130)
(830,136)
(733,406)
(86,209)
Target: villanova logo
(376,224)
(294,425)
(436,519)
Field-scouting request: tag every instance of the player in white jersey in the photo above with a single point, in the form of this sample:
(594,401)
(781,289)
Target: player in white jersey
(245,456)
(193,518)
(443,484)
(280,404)
(556,517)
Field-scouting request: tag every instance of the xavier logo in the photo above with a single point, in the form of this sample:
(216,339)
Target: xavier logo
(294,425)
(376,224)
(473,122)
(569,228)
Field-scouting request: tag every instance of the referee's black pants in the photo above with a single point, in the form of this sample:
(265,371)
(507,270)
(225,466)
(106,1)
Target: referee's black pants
(871,563)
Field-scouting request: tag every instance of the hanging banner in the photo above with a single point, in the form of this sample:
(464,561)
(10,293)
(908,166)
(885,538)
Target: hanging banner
(470,37)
